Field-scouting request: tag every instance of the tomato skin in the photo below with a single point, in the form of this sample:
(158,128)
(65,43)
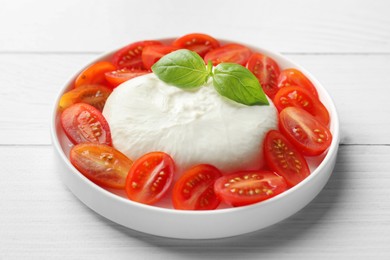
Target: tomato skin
(245,188)
(150,177)
(304,131)
(130,56)
(234,53)
(197,42)
(94,74)
(294,96)
(94,95)
(151,54)
(102,164)
(117,77)
(266,71)
(290,77)
(282,157)
(195,189)
(84,123)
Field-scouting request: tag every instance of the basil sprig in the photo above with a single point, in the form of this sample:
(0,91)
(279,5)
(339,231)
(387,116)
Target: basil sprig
(186,69)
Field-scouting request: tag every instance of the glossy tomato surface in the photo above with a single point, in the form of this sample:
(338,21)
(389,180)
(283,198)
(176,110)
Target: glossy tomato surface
(232,52)
(102,164)
(151,54)
(303,130)
(195,189)
(150,177)
(198,42)
(245,188)
(94,74)
(117,77)
(82,123)
(294,77)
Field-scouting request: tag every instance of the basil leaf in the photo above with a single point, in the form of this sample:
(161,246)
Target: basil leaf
(239,84)
(182,68)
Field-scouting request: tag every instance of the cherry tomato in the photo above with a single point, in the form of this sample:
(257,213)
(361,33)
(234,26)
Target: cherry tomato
(94,95)
(102,164)
(244,188)
(151,54)
(304,131)
(294,96)
(117,77)
(289,77)
(284,159)
(130,55)
(195,189)
(197,42)
(234,53)
(83,123)
(267,72)
(94,74)
(150,177)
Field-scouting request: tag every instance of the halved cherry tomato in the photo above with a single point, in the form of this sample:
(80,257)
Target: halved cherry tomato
(150,177)
(102,164)
(195,189)
(94,95)
(117,77)
(304,131)
(151,54)
(245,188)
(83,123)
(234,53)
(267,72)
(284,159)
(294,96)
(130,56)
(198,42)
(94,74)
(290,77)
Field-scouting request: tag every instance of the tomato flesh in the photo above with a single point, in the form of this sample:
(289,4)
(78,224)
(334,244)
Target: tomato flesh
(102,164)
(151,54)
(150,177)
(282,157)
(195,189)
(294,96)
(117,77)
(94,74)
(303,130)
(83,123)
(94,95)
(294,77)
(234,53)
(245,188)
(267,72)
(130,56)
(198,42)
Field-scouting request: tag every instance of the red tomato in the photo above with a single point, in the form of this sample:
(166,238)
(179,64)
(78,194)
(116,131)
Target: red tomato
(150,177)
(94,95)
(284,159)
(267,72)
(244,188)
(83,123)
(197,42)
(117,77)
(151,54)
(94,74)
(234,53)
(289,77)
(304,131)
(102,164)
(294,96)
(195,189)
(130,55)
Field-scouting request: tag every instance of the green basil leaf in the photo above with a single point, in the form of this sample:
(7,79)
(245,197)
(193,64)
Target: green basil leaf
(239,84)
(182,68)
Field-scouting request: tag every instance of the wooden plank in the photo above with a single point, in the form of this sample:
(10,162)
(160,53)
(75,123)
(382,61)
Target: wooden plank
(294,26)
(40,218)
(33,81)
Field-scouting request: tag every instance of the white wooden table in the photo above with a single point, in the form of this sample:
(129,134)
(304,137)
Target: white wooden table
(345,44)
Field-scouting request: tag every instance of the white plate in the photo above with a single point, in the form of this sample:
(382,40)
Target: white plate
(198,224)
